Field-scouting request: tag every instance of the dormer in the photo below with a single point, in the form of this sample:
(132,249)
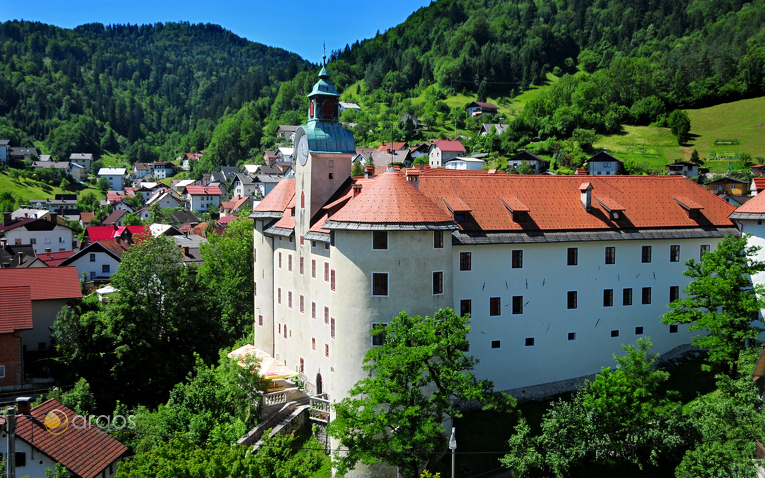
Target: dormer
(460,211)
(614,210)
(691,207)
(586,196)
(518,211)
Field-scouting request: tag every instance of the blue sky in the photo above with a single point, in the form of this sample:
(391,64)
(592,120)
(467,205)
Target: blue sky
(299,26)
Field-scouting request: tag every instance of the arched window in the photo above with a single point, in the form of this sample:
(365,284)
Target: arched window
(302,200)
(310,109)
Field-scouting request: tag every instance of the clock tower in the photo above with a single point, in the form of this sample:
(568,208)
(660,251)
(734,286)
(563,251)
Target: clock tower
(323,149)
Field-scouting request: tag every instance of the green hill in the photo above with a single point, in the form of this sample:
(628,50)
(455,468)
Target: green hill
(735,122)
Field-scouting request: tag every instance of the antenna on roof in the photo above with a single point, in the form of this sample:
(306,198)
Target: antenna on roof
(324,58)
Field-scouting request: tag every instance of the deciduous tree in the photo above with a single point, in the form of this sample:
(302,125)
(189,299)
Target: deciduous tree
(722,301)
(416,379)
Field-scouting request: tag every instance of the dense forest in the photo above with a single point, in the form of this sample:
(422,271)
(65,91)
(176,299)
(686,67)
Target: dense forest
(131,89)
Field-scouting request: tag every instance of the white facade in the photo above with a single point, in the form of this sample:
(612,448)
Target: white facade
(606,168)
(96,264)
(470,164)
(55,240)
(438,158)
(115,176)
(200,202)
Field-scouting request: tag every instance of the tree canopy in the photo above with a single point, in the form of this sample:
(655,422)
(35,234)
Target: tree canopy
(416,380)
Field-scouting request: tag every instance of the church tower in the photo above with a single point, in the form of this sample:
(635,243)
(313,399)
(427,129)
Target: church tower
(324,150)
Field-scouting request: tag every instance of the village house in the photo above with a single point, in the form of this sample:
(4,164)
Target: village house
(200,198)
(486,128)
(83,159)
(683,168)
(15,319)
(243,185)
(115,176)
(478,108)
(604,163)
(141,170)
(286,131)
(99,260)
(45,235)
(85,450)
(468,164)
(728,185)
(538,163)
(443,150)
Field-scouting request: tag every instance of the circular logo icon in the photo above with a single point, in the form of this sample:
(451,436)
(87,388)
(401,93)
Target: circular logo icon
(56,422)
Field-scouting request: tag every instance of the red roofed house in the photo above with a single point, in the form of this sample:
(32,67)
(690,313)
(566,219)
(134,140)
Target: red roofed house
(99,233)
(749,217)
(15,318)
(556,271)
(394,146)
(757,186)
(443,150)
(232,207)
(99,260)
(200,198)
(51,289)
(85,450)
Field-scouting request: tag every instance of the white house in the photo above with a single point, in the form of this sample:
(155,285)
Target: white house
(539,164)
(115,176)
(470,164)
(605,164)
(84,449)
(84,159)
(683,168)
(45,235)
(99,260)
(200,198)
(443,150)
(166,199)
(244,185)
(162,169)
(141,169)
(749,219)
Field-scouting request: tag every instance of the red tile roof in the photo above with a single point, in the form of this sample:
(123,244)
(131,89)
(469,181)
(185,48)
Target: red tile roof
(396,146)
(45,283)
(755,205)
(759,184)
(86,217)
(278,198)
(100,233)
(554,202)
(449,145)
(203,190)
(235,203)
(391,199)
(16,310)
(52,259)
(85,451)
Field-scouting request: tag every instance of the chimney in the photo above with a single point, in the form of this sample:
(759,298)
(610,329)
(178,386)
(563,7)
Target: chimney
(54,218)
(3,243)
(356,189)
(23,405)
(20,257)
(369,172)
(185,251)
(7,218)
(586,190)
(117,240)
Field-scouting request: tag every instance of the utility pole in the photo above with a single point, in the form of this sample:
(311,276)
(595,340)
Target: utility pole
(10,429)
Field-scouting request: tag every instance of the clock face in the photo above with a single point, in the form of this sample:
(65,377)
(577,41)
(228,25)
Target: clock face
(302,149)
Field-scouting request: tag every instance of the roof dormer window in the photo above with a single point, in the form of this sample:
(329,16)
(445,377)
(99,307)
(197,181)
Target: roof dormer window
(518,211)
(614,210)
(691,207)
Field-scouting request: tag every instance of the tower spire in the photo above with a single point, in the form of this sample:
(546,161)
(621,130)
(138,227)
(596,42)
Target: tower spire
(324,58)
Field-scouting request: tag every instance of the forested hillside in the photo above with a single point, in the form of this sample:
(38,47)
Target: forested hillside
(137,90)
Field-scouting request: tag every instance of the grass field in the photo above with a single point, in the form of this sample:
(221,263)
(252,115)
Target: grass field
(656,147)
(26,189)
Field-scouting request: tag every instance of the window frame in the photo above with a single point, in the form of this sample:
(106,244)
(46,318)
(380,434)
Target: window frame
(302,304)
(674,290)
(302,265)
(326,350)
(610,258)
(280,260)
(608,297)
(313,268)
(326,271)
(646,254)
(326,315)
(278,295)
(516,259)
(704,249)
(492,309)
(615,333)
(642,330)
(516,305)
(571,336)
(378,340)
(529,341)
(674,253)
(260,320)
(376,237)
(438,282)
(673,328)
(624,297)
(645,299)
(572,253)
(289,262)
(466,261)
(313,310)
(438,239)
(332,280)
(498,342)
(572,299)
(374,285)
(469,303)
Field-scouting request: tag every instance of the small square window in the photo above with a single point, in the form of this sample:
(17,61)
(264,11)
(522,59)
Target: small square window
(105,269)
(326,246)
(517,262)
(466,307)
(495,344)
(608,298)
(615,333)
(674,253)
(673,328)
(438,239)
(438,283)
(703,250)
(572,257)
(33,241)
(529,342)
(380,240)
(465,261)
(380,284)
(313,244)
(331,176)
(495,306)
(571,336)
(646,295)
(639,330)
(674,293)
(627,297)
(571,299)
(645,256)
(610,255)
(517,304)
